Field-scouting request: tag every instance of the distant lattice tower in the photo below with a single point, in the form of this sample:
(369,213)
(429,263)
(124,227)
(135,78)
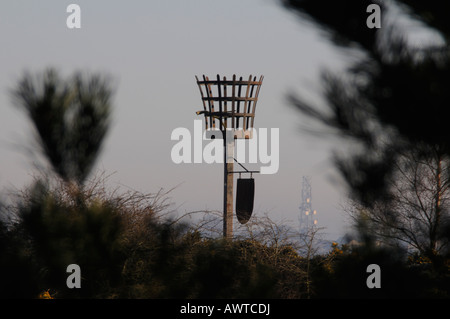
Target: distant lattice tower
(308,216)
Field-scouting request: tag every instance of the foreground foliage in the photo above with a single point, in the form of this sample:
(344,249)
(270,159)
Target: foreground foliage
(127,247)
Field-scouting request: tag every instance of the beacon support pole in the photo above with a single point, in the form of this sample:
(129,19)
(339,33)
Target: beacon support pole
(228,142)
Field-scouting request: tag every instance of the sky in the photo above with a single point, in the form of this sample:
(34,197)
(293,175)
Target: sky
(153,50)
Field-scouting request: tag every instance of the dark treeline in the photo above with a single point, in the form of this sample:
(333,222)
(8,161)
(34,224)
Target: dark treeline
(127,247)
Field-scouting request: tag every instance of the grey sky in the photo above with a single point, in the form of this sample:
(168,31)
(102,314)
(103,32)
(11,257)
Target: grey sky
(153,50)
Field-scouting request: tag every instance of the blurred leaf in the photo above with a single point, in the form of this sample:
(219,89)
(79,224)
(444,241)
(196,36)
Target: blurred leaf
(71,117)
